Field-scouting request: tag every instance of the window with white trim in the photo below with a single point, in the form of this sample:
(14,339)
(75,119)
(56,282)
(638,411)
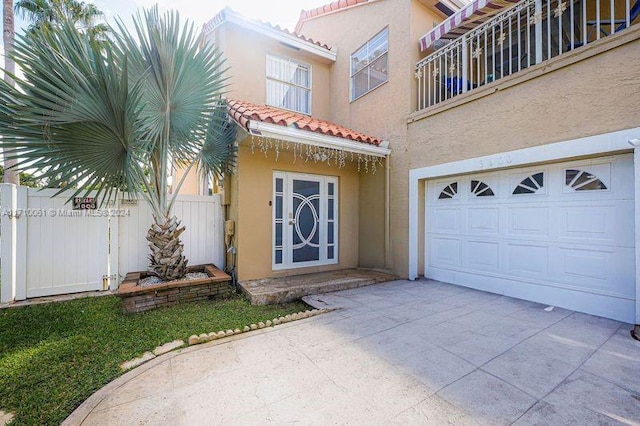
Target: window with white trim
(369,65)
(288,84)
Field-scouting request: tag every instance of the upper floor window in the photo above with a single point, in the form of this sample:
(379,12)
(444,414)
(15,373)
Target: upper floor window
(288,84)
(369,65)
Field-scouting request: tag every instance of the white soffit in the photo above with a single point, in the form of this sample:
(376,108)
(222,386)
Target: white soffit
(304,137)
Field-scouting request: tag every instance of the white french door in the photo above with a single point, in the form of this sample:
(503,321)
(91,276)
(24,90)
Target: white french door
(305,220)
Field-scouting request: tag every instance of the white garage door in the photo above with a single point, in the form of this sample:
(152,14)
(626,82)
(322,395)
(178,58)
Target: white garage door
(561,234)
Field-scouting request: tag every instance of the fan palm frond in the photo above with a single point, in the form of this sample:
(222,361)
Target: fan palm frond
(74,113)
(99,116)
(219,152)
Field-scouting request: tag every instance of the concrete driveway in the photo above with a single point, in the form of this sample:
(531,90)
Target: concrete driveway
(402,352)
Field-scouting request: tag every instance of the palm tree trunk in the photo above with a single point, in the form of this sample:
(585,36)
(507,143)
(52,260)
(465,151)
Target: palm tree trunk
(166,258)
(8,35)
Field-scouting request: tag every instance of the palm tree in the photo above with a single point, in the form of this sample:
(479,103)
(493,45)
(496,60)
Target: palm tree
(115,116)
(47,13)
(8,35)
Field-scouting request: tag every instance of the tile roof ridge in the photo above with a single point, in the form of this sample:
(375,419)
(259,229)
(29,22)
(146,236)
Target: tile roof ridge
(244,111)
(326,8)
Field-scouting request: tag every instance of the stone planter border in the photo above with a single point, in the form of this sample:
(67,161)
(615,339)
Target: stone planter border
(204,337)
(139,299)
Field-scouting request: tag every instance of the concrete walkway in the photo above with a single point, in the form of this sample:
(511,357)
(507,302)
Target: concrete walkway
(400,352)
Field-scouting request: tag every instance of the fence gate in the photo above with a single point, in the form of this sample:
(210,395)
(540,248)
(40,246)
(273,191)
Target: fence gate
(47,248)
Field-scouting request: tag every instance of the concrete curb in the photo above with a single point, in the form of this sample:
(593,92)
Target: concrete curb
(78,416)
(204,337)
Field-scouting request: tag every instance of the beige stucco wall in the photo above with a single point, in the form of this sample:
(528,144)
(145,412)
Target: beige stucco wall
(381,112)
(372,217)
(566,98)
(246,52)
(254,191)
(597,95)
(593,96)
(192,184)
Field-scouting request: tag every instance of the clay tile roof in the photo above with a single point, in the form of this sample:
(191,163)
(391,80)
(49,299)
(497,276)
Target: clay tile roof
(327,8)
(221,16)
(300,36)
(243,111)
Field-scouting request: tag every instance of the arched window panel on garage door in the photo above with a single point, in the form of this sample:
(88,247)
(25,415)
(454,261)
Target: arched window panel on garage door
(580,180)
(595,177)
(480,189)
(532,184)
(450,191)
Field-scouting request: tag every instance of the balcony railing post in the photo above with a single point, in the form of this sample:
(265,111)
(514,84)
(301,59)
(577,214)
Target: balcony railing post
(472,60)
(538,30)
(464,63)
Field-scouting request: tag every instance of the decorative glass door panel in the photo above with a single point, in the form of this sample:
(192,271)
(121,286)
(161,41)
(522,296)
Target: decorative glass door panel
(305,231)
(305,220)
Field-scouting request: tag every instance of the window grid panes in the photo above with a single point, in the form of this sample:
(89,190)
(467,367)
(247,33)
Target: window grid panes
(369,65)
(279,221)
(331,218)
(288,84)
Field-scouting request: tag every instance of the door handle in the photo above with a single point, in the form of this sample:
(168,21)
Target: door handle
(292,222)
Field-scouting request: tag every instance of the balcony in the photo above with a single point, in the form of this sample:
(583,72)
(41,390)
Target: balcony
(526,34)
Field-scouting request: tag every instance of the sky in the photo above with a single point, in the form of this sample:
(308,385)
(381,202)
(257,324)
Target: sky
(282,12)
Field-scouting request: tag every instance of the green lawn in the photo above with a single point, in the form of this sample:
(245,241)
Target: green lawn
(53,357)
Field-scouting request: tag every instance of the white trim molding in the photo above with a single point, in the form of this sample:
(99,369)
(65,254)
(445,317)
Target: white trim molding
(289,213)
(8,248)
(621,141)
(292,40)
(304,137)
(635,143)
(272,58)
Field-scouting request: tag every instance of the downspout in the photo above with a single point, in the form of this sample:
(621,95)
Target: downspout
(387,210)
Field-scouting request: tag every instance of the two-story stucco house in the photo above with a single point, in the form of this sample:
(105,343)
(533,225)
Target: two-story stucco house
(492,145)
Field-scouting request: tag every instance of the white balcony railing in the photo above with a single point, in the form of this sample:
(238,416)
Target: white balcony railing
(527,34)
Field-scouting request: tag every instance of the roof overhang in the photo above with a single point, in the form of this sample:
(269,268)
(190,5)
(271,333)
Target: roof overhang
(304,137)
(291,40)
(442,5)
(464,20)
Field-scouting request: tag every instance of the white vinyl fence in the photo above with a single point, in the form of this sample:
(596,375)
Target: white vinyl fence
(47,248)
(203,238)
